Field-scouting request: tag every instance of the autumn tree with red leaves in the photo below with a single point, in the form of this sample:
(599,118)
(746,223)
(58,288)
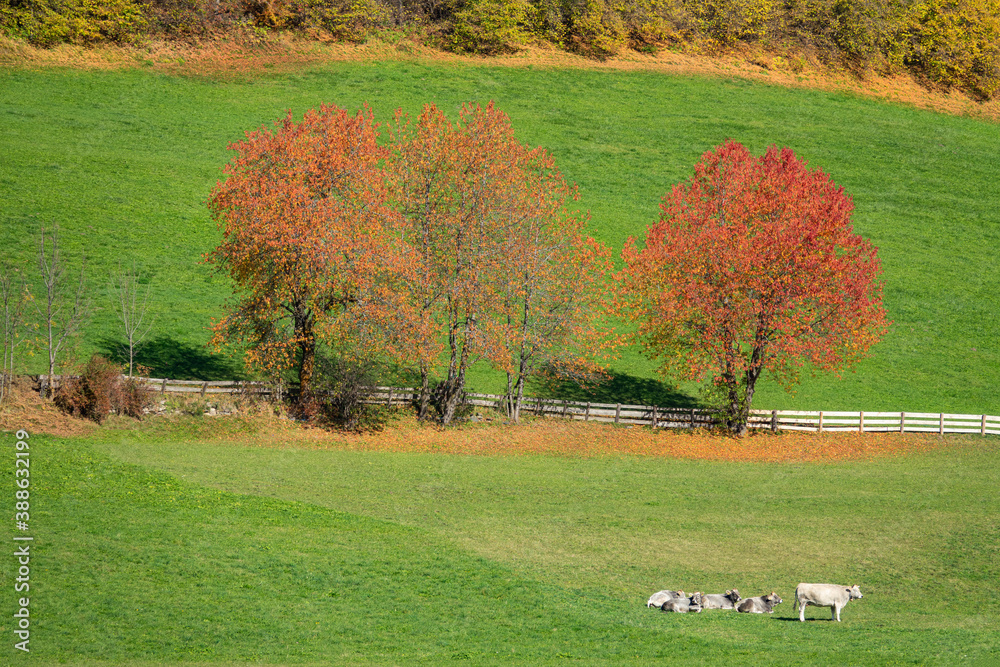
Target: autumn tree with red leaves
(486,216)
(753,266)
(309,237)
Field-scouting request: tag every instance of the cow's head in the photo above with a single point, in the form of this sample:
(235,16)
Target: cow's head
(855,592)
(773,598)
(696,598)
(733,595)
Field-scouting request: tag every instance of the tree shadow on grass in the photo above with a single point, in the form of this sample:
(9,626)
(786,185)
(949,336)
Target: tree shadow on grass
(168,358)
(619,388)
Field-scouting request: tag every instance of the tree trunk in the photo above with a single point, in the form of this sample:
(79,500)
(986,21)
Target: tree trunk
(455,384)
(452,396)
(425,394)
(518,397)
(307,350)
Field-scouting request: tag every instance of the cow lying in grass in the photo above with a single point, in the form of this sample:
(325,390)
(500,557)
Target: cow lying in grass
(825,595)
(762,604)
(727,601)
(657,599)
(683,605)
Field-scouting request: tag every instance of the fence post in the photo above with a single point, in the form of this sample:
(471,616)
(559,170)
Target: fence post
(692,417)
(586,415)
(902,422)
(654,417)
(565,407)
(861,422)
(774,421)
(618,411)
(821,422)
(388,401)
(203,388)
(982,429)
(941,425)
(163,387)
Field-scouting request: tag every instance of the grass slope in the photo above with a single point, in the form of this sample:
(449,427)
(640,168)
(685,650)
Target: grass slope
(160,550)
(124,161)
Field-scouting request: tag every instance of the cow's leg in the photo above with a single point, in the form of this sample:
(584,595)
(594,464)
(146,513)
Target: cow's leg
(835,613)
(802,612)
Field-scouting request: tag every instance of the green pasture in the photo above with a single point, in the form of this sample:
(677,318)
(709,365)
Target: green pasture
(156,546)
(124,161)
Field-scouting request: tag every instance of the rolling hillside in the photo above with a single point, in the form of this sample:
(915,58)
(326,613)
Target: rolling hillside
(123,161)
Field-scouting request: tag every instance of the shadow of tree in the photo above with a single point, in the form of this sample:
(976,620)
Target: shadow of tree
(169,358)
(619,388)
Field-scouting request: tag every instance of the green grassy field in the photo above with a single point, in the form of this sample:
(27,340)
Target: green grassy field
(154,546)
(125,161)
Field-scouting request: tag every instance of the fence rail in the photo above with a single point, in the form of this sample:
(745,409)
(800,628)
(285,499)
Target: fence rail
(167,386)
(775,420)
(644,415)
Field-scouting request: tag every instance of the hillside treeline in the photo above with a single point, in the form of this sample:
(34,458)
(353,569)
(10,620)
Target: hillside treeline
(948,43)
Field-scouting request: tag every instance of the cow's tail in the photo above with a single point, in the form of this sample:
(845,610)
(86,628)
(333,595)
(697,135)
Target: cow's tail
(796,607)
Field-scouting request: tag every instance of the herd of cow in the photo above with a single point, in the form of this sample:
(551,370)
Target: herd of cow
(817,595)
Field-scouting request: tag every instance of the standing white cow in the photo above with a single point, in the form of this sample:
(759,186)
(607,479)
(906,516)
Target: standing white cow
(825,595)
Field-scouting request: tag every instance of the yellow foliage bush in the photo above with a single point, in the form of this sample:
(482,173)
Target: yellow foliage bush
(491,26)
(49,22)
(731,21)
(957,43)
(597,29)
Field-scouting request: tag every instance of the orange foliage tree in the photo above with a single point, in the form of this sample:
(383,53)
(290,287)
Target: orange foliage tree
(554,296)
(485,215)
(753,266)
(309,238)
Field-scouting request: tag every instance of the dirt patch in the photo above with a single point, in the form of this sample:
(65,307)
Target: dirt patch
(235,59)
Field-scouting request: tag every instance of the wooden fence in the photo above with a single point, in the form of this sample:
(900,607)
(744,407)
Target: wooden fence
(643,415)
(201,387)
(775,420)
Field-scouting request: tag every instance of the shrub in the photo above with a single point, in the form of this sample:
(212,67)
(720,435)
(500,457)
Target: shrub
(957,43)
(100,390)
(180,18)
(731,21)
(49,22)
(597,30)
(341,386)
(651,22)
(491,26)
(351,20)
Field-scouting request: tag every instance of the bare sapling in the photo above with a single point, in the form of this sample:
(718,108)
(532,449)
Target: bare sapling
(14,297)
(131,304)
(64,310)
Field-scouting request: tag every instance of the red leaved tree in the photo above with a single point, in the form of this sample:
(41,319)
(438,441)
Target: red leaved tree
(309,238)
(753,266)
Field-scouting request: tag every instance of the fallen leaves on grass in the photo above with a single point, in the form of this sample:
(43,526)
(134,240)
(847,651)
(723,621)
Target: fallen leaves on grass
(25,409)
(569,438)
